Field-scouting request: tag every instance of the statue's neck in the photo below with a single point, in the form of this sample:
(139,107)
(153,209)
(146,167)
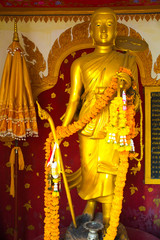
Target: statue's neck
(103,49)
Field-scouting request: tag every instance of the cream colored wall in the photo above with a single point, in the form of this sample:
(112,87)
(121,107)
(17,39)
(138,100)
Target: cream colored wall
(43,34)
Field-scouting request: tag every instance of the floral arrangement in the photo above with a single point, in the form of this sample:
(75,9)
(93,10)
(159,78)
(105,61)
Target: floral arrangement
(122,129)
(117,128)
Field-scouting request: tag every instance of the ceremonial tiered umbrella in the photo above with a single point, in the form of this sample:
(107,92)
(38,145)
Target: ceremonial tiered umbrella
(17,111)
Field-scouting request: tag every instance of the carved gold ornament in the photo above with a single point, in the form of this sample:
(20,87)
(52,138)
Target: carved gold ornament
(77,38)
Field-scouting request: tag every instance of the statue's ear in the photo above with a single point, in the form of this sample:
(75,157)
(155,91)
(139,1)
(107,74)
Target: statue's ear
(115,38)
(91,34)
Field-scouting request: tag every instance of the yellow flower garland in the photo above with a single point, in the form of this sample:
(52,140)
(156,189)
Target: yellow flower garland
(51,230)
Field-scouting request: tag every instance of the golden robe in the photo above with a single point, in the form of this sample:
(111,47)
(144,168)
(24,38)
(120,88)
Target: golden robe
(99,160)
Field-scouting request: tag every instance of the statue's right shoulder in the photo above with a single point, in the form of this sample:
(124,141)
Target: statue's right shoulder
(82,60)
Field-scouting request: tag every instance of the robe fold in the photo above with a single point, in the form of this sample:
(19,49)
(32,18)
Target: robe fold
(99,160)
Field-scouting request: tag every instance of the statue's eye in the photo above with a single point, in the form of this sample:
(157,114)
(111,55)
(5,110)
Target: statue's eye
(98,24)
(109,24)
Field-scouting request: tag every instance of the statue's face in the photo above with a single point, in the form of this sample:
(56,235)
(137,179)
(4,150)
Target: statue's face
(103,29)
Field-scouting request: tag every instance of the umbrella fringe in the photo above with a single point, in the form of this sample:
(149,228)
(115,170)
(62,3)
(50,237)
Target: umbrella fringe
(18,124)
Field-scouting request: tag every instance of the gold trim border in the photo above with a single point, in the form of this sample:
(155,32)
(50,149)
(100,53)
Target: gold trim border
(148,179)
(75,18)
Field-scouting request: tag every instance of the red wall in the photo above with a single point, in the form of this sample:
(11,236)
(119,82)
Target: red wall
(76,4)
(141,202)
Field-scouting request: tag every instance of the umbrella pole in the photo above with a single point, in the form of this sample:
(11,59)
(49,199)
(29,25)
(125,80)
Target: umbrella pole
(16,193)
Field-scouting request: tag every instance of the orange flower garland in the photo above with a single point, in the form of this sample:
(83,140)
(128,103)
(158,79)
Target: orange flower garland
(66,131)
(51,227)
(118,196)
(52,204)
(121,175)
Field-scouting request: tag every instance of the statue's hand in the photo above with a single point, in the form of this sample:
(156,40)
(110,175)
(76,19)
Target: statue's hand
(124,80)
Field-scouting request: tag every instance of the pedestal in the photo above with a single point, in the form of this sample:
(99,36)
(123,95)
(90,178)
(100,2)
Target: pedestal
(80,233)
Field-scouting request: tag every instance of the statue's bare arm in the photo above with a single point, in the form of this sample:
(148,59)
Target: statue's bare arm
(76,89)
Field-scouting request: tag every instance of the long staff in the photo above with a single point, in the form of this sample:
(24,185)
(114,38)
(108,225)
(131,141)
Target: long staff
(45,115)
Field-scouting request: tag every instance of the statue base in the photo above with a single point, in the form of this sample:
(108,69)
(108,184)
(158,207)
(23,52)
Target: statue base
(80,233)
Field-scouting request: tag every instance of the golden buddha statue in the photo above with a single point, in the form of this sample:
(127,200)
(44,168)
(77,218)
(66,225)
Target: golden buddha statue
(90,76)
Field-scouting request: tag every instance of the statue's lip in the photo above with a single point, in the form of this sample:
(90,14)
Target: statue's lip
(104,35)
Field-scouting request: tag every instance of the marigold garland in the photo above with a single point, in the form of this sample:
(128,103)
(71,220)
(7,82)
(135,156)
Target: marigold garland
(66,131)
(118,196)
(129,129)
(51,227)
(52,204)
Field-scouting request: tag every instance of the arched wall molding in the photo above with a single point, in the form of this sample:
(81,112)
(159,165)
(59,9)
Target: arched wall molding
(71,40)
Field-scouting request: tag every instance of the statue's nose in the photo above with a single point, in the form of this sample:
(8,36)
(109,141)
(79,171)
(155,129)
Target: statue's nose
(104,28)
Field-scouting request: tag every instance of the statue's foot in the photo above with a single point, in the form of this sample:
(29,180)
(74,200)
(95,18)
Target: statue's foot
(89,209)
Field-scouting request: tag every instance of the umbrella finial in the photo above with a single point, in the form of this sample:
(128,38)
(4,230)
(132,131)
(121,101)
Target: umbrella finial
(15,36)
